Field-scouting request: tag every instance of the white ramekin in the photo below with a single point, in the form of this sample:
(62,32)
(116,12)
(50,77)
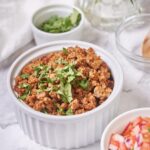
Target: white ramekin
(66,131)
(45,13)
(119,123)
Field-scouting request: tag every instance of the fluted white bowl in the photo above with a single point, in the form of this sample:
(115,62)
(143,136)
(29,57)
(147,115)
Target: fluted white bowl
(65,131)
(44,13)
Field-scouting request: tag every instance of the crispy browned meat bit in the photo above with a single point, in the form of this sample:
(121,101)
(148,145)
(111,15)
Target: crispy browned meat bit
(67,82)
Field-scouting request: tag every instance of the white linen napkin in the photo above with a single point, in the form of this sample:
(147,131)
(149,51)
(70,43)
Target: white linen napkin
(15,30)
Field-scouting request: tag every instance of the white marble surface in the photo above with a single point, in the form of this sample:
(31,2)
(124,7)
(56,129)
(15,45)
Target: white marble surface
(135,94)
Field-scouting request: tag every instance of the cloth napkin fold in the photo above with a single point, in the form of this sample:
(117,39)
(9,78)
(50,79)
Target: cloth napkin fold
(15,30)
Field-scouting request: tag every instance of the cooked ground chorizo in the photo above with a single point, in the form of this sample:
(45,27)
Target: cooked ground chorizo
(72,81)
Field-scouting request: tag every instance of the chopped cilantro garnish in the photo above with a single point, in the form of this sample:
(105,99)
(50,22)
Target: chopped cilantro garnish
(65,51)
(37,69)
(42,86)
(75,18)
(46,80)
(149,129)
(70,78)
(60,110)
(24,76)
(61,61)
(42,73)
(65,92)
(68,92)
(66,75)
(57,24)
(23,97)
(84,84)
(55,88)
(69,112)
(68,70)
(27,88)
(24,85)
(47,68)
(41,69)
(48,89)
(39,91)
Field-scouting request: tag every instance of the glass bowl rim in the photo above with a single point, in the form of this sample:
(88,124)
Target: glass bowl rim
(124,50)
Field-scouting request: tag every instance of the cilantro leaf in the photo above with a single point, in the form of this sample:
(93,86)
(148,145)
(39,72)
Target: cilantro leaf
(65,92)
(68,92)
(60,110)
(42,86)
(84,84)
(24,85)
(24,76)
(65,51)
(70,78)
(61,61)
(37,69)
(23,97)
(69,112)
(39,91)
(58,24)
(27,88)
(67,75)
(75,17)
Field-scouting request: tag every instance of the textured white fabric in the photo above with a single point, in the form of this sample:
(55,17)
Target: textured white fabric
(15,17)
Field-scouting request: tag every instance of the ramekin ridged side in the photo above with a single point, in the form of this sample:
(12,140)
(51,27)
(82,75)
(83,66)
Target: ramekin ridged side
(68,134)
(66,131)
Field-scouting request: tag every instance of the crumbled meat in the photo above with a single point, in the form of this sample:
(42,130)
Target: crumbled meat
(27,69)
(55,96)
(40,86)
(19,90)
(32,79)
(18,79)
(41,95)
(64,106)
(39,105)
(79,111)
(74,104)
(89,102)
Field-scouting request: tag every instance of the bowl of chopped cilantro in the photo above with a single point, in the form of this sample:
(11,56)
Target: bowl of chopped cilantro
(64,91)
(57,22)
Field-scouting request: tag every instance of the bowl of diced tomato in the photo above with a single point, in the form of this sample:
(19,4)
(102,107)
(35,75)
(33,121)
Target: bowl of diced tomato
(129,131)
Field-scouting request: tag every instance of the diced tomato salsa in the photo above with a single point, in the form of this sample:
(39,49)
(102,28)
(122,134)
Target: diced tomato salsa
(135,136)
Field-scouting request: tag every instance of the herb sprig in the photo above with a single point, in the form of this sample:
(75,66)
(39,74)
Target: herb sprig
(27,88)
(24,76)
(57,24)
(42,73)
(66,77)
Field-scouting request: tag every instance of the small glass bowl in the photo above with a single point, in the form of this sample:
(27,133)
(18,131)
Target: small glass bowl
(129,39)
